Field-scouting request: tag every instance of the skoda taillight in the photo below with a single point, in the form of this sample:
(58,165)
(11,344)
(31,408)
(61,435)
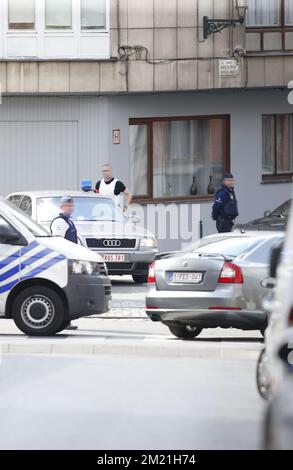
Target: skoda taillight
(231,274)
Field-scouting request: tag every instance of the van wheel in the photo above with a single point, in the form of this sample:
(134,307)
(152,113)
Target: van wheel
(185,331)
(64,325)
(38,311)
(140,278)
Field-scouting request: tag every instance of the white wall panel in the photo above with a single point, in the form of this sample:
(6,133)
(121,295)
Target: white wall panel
(51,142)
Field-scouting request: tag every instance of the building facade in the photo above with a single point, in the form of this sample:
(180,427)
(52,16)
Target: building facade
(146,86)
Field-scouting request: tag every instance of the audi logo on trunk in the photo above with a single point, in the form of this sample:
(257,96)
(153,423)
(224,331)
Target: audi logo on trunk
(112,243)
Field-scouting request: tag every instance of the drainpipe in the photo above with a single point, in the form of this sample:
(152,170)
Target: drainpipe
(118,24)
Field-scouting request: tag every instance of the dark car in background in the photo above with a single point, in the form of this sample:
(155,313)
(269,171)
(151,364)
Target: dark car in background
(275,220)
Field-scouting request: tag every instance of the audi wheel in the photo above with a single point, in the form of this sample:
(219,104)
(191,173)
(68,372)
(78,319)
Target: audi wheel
(38,311)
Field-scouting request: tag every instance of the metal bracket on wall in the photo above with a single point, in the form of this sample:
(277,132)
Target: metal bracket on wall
(211,26)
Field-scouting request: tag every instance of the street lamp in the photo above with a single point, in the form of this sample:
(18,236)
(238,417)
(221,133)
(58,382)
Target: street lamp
(211,26)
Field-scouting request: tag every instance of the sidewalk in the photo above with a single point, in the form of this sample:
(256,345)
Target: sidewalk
(130,336)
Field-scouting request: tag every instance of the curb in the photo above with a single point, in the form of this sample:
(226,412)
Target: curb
(180,349)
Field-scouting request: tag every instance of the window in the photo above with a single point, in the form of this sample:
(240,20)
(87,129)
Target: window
(26,205)
(288,13)
(58,14)
(232,246)
(86,209)
(139,141)
(277,158)
(263,13)
(5,229)
(21,15)
(15,199)
(93,14)
(269,25)
(168,154)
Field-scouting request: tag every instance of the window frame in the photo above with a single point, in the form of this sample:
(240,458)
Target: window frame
(55,29)
(21,30)
(149,121)
(35,39)
(282,28)
(95,30)
(276,177)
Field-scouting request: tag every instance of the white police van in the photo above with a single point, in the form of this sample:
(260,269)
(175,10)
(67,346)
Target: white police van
(46,281)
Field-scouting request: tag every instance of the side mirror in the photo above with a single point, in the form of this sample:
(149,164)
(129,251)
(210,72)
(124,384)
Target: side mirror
(275,259)
(134,219)
(267,213)
(9,235)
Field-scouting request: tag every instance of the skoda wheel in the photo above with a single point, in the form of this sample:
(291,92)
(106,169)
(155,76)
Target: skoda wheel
(185,331)
(140,278)
(38,311)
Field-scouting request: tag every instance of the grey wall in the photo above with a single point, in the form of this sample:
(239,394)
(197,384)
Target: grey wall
(51,142)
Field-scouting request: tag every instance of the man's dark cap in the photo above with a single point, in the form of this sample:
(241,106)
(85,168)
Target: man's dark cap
(66,200)
(228,176)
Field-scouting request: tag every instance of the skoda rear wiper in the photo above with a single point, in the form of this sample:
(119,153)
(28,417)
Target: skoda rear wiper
(216,255)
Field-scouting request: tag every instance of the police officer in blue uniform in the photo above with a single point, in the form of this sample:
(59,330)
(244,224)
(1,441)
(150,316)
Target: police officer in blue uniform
(63,226)
(225,208)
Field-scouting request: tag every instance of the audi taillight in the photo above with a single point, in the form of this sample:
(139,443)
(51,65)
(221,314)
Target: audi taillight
(152,273)
(231,274)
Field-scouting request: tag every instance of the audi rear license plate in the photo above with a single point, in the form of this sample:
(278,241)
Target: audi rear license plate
(114,258)
(185,277)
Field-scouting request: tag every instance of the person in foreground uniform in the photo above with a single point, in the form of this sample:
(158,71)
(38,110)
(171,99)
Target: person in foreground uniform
(63,226)
(225,208)
(110,186)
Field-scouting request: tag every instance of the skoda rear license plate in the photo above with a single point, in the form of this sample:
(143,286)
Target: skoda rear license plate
(114,258)
(195,278)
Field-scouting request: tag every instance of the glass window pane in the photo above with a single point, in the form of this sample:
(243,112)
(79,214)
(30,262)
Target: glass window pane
(58,14)
(26,205)
(21,15)
(288,12)
(284,160)
(233,246)
(93,14)
(284,153)
(268,145)
(139,159)
(263,12)
(183,150)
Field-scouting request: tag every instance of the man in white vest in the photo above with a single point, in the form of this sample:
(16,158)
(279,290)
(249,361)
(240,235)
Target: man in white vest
(114,188)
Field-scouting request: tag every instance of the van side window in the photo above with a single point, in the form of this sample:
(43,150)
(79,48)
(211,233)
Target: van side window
(6,230)
(26,205)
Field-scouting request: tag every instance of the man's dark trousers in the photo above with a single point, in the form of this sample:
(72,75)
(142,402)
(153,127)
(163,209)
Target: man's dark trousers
(224,224)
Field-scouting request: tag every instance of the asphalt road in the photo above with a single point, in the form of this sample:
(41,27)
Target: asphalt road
(126,383)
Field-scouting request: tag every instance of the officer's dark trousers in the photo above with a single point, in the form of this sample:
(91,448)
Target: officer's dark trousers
(224,225)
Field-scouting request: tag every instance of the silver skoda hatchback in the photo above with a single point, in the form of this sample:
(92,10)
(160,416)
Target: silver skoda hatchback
(216,283)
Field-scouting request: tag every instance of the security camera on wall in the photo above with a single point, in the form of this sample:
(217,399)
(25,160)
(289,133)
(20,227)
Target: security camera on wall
(239,52)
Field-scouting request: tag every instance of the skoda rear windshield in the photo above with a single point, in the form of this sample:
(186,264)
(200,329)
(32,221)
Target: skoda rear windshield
(231,246)
(36,229)
(283,210)
(86,209)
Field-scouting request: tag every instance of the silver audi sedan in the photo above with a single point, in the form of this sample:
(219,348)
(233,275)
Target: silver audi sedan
(217,282)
